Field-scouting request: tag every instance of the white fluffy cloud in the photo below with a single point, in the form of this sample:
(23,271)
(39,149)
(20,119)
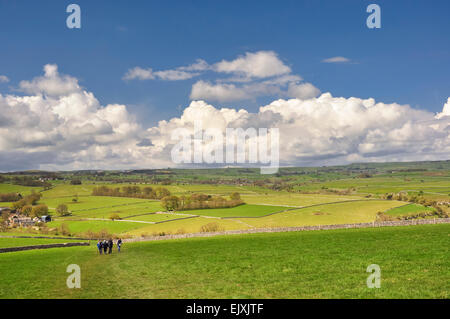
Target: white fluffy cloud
(336,59)
(59,125)
(4,79)
(260,64)
(51,83)
(329,130)
(139,73)
(445,110)
(249,76)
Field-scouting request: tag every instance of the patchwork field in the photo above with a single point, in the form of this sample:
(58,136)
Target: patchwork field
(92,213)
(314,264)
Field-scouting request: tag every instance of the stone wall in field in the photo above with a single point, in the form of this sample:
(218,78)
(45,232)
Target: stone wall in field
(302,228)
(11,249)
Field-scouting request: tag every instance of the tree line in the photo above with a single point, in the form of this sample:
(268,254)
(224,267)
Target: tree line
(146,192)
(10,197)
(29,206)
(200,201)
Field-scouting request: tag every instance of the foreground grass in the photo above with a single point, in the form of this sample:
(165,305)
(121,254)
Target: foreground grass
(414,263)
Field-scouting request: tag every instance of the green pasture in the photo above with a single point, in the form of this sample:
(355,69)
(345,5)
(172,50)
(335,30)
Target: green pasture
(408,209)
(10,188)
(78,227)
(238,211)
(296,200)
(156,217)
(326,214)
(188,225)
(385,184)
(413,260)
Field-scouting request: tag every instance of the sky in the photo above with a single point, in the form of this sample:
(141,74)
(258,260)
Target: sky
(109,95)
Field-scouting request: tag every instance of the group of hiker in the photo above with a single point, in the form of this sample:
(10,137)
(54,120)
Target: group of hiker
(106,246)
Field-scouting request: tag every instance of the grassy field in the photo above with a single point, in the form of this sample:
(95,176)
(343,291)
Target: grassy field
(315,264)
(326,214)
(19,242)
(10,188)
(157,217)
(408,209)
(299,200)
(190,225)
(80,227)
(238,211)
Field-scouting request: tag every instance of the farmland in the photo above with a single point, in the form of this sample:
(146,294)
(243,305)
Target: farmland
(296,197)
(308,264)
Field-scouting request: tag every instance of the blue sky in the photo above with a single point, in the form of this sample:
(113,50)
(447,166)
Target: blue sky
(338,92)
(406,61)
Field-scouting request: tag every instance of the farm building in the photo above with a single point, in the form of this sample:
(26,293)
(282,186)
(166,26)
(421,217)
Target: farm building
(21,220)
(46,218)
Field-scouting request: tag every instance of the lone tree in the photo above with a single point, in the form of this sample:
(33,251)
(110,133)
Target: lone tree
(114,216)
(62,210)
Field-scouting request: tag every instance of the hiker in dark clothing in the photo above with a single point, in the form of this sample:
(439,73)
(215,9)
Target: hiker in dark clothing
(119,244)
(105,246)
(99,246)
(110,245)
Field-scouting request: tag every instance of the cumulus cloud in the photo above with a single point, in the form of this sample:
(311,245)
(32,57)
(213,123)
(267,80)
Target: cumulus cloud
(51,83)
(139,73)
(328,130)
(445,110)
(4,79)
(336,59)
(260,64)
(60,125)
(229,92)
(218,92)
(248,76)
(303,90)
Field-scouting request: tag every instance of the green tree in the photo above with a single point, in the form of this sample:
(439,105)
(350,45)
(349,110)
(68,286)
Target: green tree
(170,202)
(62,210)
(39,210)
(114,216)
(26,210)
